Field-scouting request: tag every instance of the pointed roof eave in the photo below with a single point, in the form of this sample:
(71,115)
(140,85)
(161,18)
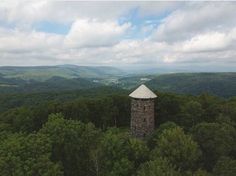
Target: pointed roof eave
(142,92)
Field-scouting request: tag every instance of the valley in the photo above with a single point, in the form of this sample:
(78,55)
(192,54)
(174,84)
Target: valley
(71,77)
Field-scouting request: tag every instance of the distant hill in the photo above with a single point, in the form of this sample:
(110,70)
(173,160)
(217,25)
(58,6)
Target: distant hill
(220,84)
(71,77)
(42,73)
(13,85)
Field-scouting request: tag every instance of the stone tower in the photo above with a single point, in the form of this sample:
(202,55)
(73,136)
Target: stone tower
(142,112)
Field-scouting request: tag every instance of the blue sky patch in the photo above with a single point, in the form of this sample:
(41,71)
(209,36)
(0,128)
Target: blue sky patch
(52,27)
(143,26)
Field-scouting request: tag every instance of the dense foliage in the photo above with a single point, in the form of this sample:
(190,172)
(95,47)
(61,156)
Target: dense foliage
(87,133)
(220,84)
(53,84)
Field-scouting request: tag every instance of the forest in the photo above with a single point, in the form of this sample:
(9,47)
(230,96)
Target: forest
(86,133)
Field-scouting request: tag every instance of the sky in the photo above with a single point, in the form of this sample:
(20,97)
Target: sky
(193,35)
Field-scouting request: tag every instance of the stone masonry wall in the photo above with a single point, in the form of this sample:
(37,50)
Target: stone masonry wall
(142,117)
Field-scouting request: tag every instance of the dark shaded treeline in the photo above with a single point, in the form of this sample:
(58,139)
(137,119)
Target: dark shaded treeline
(87,134)
(16,86)
(108,107)
(8,101)
(218,84)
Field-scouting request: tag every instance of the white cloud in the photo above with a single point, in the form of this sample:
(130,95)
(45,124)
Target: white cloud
(25,11)
(189,33)
(94,33)
(22,41)
(196,18)
(207,42)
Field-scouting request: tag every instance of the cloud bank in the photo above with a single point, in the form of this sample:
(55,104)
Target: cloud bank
(118,33)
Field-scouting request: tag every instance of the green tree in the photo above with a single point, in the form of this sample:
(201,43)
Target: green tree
(72,142)
(215,140)
(119,154)
(178,148)
(76,110)
(225,166)
(152,140)
(158,167)
(22,155)
(211,107)
(20,119)
(168,107)
(229,109)
(192,113)
(201,172)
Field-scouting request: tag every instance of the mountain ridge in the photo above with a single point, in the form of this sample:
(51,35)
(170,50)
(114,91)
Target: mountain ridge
(220,84)
(42,73)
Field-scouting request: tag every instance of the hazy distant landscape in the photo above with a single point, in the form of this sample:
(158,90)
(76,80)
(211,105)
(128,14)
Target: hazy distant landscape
(72,77)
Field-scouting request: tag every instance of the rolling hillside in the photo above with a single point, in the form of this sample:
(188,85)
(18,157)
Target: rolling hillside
(70,77)
(220,84)
(42,73)
(53,84)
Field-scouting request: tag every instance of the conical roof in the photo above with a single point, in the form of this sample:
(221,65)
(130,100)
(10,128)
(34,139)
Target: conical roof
(142,92)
